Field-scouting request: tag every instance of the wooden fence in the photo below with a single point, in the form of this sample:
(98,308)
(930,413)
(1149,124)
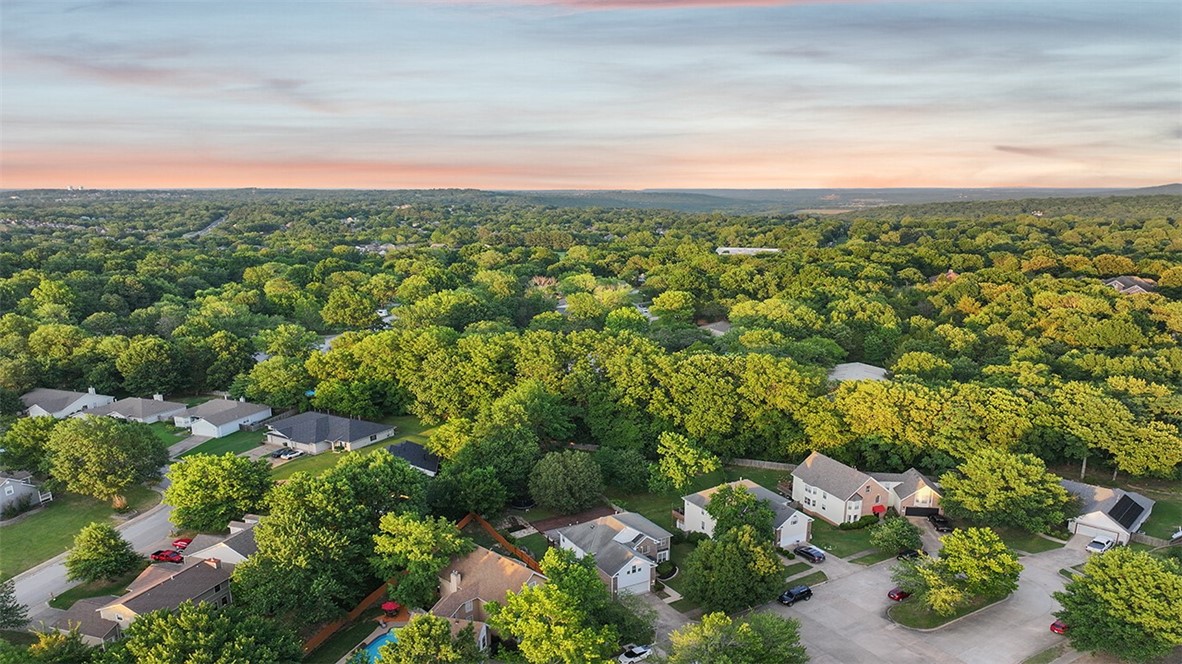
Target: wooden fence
(331,628)
(500,539)
(769,465)
(1151,541)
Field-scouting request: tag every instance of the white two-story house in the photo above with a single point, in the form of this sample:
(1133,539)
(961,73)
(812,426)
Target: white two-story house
(791,526)
(837,493)
(627,548)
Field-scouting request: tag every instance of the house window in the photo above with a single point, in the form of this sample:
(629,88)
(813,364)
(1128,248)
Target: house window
(373,438)
(468,607)
(217,588)
(867,488)
(877,499)
(225,601)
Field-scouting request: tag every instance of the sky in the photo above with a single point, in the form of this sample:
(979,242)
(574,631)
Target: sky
(590,94)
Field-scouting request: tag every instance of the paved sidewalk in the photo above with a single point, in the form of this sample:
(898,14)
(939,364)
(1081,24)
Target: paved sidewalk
(177,449)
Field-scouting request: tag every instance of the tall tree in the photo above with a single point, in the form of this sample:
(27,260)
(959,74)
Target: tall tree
(760,638)
(1126,604)
(148,366)
(412,551)
(24,443)
(680,461)
(13,614)
(61,648)
(204,633)
(734,571)
(427,639)
(208,492)
(103,457)
(733,506)
(100,552)
(567,481)
(895,534)
(974,562)
(1002,489)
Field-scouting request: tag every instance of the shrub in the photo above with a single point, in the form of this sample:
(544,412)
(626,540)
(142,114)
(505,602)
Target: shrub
(678,536)
(666,569)
(787,554)
(694,538)
(658,586)
(868,520)
(17,507)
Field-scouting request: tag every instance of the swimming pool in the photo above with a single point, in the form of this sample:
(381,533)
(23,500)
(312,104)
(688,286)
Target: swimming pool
(372,647)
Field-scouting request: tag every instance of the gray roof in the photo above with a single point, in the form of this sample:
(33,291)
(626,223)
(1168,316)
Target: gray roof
(908,482)
(778,503)
(177,588)
(1124,282)
(137,407)
(243,543)
(415,454)
(857,371)
(831,476)
(1127,508)
(223,411)
(50,400)
(314,427)
(598,538)
(84,616)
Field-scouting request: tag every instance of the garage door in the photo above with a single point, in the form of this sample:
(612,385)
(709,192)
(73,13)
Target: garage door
(1092,531)
(921,511)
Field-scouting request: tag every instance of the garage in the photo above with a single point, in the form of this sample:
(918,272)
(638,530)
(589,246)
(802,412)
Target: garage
(921,511)
(1092,532)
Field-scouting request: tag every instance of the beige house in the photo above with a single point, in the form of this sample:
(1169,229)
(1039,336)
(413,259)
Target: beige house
(791,526)
(473,580)
(160,588)
(626,546)
(837,493)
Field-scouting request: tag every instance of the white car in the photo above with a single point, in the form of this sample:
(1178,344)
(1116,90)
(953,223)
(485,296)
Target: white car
(1100,544)
(634,653)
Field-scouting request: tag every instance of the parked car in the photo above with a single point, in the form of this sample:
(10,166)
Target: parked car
(898,594)
(941,523)
(291,454)
(1059,627)
(278,454)
(634,653)
(796,594)
(810,553)
(910,554)
(1101,544)
(167,556)
(182,543)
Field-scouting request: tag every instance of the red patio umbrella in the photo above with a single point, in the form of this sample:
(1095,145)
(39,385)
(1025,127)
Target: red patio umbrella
(391,607)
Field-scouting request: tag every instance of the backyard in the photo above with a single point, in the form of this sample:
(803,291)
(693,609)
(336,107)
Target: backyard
(49,531)
(408,427)
(343,642)
(99,588)
(658,507)
(237,442)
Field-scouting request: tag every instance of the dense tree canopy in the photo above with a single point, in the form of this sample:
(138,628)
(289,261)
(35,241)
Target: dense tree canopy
(100,552)
(759,638)
(973,563)
(733,571)
(203,633)
(208,492)
(104,457)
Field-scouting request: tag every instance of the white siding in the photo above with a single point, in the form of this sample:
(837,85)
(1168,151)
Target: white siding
(795,530)
(697,520)
(634,577)
(1098,523)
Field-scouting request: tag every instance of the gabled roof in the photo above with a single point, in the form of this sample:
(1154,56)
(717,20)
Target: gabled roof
(486,576)
(1124,283)
(137,407)
(613,539)
(312,427)
(223,411)
(906,483)
(22,476)
(84,617)
(778,503)
(175,589)
(857,371)
(416,455)
(831,476)
(50,400)
(1127,508)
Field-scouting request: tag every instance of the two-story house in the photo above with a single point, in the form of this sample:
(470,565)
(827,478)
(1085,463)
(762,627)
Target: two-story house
(627,548)
(791,526)
(837,493)
(473,580)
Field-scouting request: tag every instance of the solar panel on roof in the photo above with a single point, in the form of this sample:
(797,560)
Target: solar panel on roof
(1125,511)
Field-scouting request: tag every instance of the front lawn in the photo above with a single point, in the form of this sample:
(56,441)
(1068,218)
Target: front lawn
(167,433)
(17,638)
(316,464)
(873,558)
(97,588)
(658,507)
(50,530)
(796,568)
(810,579)
(1022,540)
(914,613)
(841,543)
(237,442)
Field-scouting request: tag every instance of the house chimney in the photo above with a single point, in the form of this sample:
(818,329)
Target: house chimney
(214,563)
(158,397)
(90,390)
(455,580)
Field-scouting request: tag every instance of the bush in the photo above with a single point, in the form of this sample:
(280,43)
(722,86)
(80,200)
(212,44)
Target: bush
(787,554)
(658,586)
(694,538)
(666,569)
(866,521)
(678,536)
(17,507)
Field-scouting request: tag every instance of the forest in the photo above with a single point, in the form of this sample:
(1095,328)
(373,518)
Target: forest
(521,327)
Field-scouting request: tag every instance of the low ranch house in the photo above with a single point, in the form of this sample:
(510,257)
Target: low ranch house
(316,433)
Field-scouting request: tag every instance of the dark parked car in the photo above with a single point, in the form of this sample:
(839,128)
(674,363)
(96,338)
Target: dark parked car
(796,594)
(941,523)
(1059,627)
(898,594)
(167,556)
(911,554)
(278,453)
(810,553)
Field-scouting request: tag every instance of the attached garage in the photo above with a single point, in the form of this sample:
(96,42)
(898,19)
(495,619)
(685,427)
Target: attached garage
(921,511)
(1093,532)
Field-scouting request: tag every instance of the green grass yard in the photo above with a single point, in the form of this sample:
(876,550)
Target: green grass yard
(51,530)
(408,427)
(167,433)
(97,588)
(796,568)
(873,558)
(1025,541)
(912,613)
(536,544)
(810,579)
(344,641)
(658,507)
(237,442)
(841,543)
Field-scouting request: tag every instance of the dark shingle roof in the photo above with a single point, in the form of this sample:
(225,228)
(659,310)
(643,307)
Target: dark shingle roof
(84,617)
(313,427)
(598,537)
(177,588)
(416,455)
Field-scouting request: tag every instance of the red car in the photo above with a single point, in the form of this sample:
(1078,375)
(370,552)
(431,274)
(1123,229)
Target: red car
(182,544)
(1059,627)
(167,556)
(898,594)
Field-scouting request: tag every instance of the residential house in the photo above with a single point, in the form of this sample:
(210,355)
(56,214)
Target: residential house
(480,631)
(833,491)
(158,588)
(473,580)
(745,251)
(315,433)
(717,329)
(1128,285)
(221,417)
(136,409)
(791,526)
(911,492)
(232,550)
(18,491)
(857,371)
(83,616)
(626,546)
(44,402)
(417,456)
(1114,513)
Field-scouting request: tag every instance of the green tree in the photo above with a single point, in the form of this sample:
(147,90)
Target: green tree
(734,505)
(347,307)
(204,633)
(100,552)
(208,492)
(24,443)
(680,461)
(287,340)
(895,534)
(567,481)
(103,457)
(282,382)
(1126,604)
(147,365)
(998,488)
(413,550)
(973,562)
(13,614)
(760,638)
(734,571)
(673,305)
(59,648)
(427,639)
(623,468)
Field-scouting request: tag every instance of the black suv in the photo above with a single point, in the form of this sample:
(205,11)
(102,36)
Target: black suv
(797,594)
(810,553)
(910,554)
(941,523)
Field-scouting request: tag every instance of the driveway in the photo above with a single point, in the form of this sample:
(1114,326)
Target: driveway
(846,619)
(185,445)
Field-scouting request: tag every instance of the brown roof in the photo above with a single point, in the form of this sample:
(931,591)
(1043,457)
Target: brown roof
(84,617)
(486,576)
(176,588)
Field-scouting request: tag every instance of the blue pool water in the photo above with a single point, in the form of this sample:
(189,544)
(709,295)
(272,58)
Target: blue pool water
(372,647)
